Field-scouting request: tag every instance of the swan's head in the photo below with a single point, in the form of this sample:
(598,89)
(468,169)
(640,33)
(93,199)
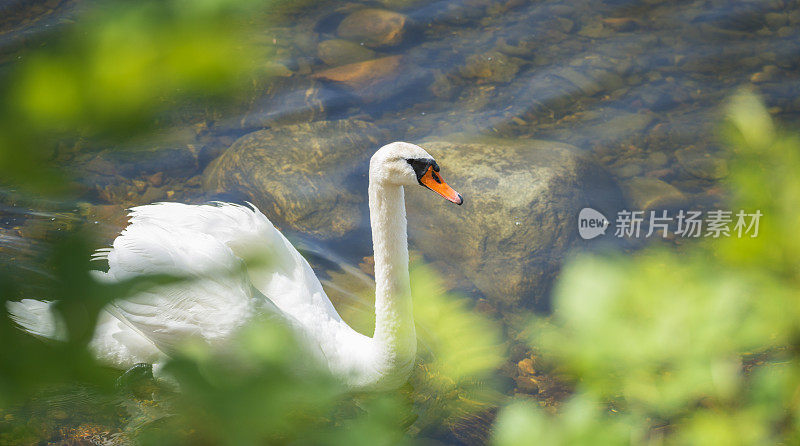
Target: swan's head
(404,164)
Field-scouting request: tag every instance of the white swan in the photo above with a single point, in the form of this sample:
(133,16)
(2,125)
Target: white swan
(195,240)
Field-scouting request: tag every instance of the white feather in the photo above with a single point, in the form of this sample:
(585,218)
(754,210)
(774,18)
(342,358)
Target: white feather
(37,317)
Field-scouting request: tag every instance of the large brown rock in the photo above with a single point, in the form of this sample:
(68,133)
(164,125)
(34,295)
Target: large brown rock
(373,27)
(296,174)
(521,201)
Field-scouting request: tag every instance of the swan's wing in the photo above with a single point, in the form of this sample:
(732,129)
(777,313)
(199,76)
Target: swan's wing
(37,318)
(119,344)
(215,299)
(114,342)
(279,272)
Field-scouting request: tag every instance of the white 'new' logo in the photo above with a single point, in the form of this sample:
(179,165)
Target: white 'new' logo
(591,223)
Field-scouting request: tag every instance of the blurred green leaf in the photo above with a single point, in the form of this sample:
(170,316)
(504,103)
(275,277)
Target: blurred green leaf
(460,352)
(117,70)
(697,346)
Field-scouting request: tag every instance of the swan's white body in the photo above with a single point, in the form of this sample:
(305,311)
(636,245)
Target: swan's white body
(201,241)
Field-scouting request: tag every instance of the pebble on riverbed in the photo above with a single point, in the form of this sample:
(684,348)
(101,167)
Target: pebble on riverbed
(337,52)
(376,80)
(702,164)
(373,27)
(362,75)
(647,193)
(493,66)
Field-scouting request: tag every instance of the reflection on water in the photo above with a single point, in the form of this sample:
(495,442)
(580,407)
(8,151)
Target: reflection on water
(634,86)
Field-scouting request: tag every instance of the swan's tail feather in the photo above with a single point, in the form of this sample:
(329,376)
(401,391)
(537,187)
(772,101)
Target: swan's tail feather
(101,254)
(37,318)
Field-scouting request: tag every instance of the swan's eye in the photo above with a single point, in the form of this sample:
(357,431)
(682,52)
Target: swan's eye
(421,165)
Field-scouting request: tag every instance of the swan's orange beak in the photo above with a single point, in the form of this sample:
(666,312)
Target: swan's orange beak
(433,181)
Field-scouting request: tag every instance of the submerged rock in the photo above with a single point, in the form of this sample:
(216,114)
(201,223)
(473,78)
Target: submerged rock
(698,162)
(522,198)
(296,174)
(612,126)
(378,79)
(283,102)
(176,162)
(135,177)
(493,66)
(645,193)
(362,75)
(524,48)
(341,52)
(373,27)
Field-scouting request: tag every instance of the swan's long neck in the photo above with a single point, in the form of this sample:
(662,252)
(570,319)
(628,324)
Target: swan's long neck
(395,337)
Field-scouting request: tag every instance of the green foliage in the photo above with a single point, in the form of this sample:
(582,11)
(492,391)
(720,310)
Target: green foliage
(260,388)
(116,71)
(118,67)
(454,384)
(28,364)
(459,354)
(690,347)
